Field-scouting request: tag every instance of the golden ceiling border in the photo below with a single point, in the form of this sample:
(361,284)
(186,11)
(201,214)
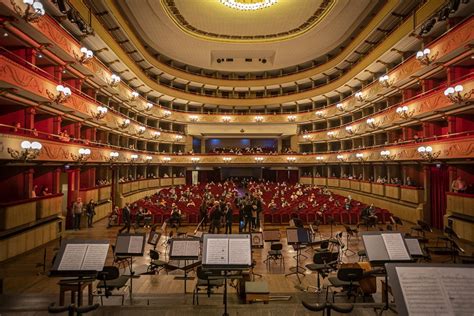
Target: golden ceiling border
(178,19)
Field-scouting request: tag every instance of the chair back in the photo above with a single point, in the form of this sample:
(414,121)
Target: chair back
(276,246)
(108,273)
(325,257)
(350,274)
(324,244)
(154,255)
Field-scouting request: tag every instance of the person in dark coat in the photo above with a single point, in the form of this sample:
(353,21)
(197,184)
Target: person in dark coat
(126,218)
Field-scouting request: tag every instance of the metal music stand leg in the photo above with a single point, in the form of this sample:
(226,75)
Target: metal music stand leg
(297,268)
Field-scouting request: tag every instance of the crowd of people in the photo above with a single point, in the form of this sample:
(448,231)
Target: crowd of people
(244,150)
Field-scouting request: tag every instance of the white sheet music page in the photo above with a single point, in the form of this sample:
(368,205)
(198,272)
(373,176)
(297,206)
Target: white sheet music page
(136,244)
(458,284)
(179,248)
(240,251)
(217,251)
(192,248)
(72,257)
(94,259)
(395,247)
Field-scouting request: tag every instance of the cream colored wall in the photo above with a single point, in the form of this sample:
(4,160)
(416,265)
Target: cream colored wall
(199,129)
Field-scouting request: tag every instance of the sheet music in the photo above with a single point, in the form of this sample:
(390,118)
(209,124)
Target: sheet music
(136,244)
(270,235)
(72,257)
(94,259)
(292,236)
(217,251)
(437,291)
(395,247)
(240,251)
(414,247)
(185,248)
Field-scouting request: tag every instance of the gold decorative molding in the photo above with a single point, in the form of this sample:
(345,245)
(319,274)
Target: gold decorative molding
(180,21)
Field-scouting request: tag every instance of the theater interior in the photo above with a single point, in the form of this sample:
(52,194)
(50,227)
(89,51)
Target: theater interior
(236,157)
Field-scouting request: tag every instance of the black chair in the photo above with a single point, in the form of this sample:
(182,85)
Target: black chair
(323,247)
(110,280)
(120,261)
(327,307)
(155,263)
(72,309)
(347,278)
(275,254)
(323,263)
(205,282)
(421,229)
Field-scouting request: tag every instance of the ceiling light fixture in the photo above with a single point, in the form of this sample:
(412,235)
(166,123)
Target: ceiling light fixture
(248,5)
(454,94)
(33,12)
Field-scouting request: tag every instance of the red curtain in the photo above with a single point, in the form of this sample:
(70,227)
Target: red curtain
(439,185)
(268,174)
(189,177)
(293,176)
(282,176)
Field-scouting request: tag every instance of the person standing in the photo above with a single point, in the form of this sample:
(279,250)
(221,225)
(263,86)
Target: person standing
(126,217)
(228,218)
(90,212)
(77,213)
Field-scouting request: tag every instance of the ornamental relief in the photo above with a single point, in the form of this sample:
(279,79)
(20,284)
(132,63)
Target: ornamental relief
(456,150)
(19,77)
(52,151)
(49,29)
(454,40)
(408,154)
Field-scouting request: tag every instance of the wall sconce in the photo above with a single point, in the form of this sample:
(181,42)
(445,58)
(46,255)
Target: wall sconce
(403,112)
(133,158)
(134,96)
(227,159)
(101,112)
(63,93)
(125,123)
(33,12)
(156,135)
(423,56)
(194,118)
(454,94)
(29,151)
(340,157)
(86,56)
(141,130)
(166,113)
(384,81)
(258,159)
(427,153)
(113,156)
(319,158)
(359,96)
(84,155)
(179,137)
(360,156)
(320,114)
(340,107)
(114,80)
(385,155)
(148,106)
(291,159)
(259,119)
(331,135)
(372,123)
(166,159)
(148,159)
(351,130)
(306,136)
(195,159)
(226,119)
(291,118)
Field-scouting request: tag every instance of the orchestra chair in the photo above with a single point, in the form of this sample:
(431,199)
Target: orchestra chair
(71,309)
(327,307)
(205,283)
(156,265)
(110,280)
(275,254)
(347,278)
(323,263)
(120,261)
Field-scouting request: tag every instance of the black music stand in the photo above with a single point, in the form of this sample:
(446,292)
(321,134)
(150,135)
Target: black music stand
(381,251)
(80,259)
(395,220)
(298,238)
(153,238)
(227,253)
(130,245)
(185,249)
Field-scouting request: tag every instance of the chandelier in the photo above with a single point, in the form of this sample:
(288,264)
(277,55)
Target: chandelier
(248,5)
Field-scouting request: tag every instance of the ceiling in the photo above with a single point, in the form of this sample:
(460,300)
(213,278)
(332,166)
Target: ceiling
(208,34)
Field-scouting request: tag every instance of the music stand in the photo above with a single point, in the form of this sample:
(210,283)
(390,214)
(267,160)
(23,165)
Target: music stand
(130,245)
(331,222)
(297,238)
(420,289)
(186,249)
(257,239)
(395,220)
(227,253)
(153,238)
(81,259)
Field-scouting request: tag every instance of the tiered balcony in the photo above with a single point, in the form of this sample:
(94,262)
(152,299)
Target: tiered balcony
(460,209)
